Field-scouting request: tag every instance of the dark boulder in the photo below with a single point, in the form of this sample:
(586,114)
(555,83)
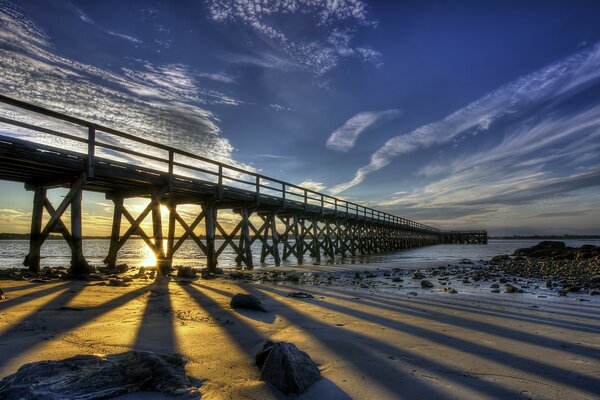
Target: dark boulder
(2,296)
(186,272)
(425,284)
(94,377)
(501,257)
(286,367)
(248,301)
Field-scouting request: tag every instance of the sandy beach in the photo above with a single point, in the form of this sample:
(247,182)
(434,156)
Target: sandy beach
(381,342)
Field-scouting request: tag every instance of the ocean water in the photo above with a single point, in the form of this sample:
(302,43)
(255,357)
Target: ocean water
(136,253)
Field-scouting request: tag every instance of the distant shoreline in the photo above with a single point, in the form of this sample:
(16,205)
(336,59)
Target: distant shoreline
(546,237)
(25,236)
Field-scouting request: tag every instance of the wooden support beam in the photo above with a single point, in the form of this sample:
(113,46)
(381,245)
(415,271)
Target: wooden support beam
(32,260)
(274,239)
(66,202)
(111,259)
(298,241)
(246,238)
(209,223)
(62,228)
(79,265)
(172,207)
(162,263)
(189,231)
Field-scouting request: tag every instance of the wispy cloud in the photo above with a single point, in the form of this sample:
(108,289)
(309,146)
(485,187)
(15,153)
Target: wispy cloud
(344,137)
(319,56)
(504,105)
(160,103)
(548,162)
(312,185)
(279,107)
(124,36)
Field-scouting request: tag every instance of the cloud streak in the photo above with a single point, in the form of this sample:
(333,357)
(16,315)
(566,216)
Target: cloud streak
(344,137)
(161,103)
(318,56)
(551,83)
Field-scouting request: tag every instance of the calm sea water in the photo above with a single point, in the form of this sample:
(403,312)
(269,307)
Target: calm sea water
(136,253)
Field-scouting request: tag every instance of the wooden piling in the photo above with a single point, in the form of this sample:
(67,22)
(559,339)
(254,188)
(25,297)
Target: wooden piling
(32,260)
(79,265)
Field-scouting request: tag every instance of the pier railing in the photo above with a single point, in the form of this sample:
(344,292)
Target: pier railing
(101,141)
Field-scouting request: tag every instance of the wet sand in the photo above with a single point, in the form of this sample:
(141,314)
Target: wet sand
(375,343)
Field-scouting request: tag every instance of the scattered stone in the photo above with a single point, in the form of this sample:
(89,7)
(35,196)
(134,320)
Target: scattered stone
(286,367)
(397,279)
(412,293)
(503,280)
(494,286)
(425,284)
(594,292)
(117,282)
(98,377)
(452,290)
(495,290)
(186,272)
(242,300)
(572,289)
(501,257)
(2,296)
(301,295)
(418,275)
(512,289)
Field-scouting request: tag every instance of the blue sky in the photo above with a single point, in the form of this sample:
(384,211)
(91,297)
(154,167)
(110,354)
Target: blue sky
(455,114)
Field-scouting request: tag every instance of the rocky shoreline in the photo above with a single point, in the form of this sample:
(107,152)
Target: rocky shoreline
(550,264)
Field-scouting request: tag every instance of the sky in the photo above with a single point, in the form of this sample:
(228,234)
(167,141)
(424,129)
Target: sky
(456,114)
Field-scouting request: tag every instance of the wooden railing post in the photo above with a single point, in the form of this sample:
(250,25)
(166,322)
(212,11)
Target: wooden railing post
(171,159)
(305,200)
(283,195)
(220,183)
(257,184)
(91,151)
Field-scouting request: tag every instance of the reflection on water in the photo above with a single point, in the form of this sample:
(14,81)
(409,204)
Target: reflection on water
(135,252)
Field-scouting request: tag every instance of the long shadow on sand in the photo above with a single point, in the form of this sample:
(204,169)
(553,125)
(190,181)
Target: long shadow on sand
(13,301)
(156,330)
(355,352)
(559,375)
(248,339)
(17,340)
(480,325)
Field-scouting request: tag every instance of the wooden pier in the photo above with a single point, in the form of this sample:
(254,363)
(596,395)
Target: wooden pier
(293,222)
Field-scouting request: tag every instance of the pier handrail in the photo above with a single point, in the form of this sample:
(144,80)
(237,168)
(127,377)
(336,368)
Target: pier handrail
(287,191)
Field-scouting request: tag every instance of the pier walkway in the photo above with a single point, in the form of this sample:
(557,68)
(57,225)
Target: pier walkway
(45,149)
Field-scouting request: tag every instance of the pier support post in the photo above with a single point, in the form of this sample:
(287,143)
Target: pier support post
(162,263)
(172,206)
(79,265)
(111,259)
(298,241)
(274,238)
(210,215)
(246,238)
(32,260)
(315,239)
